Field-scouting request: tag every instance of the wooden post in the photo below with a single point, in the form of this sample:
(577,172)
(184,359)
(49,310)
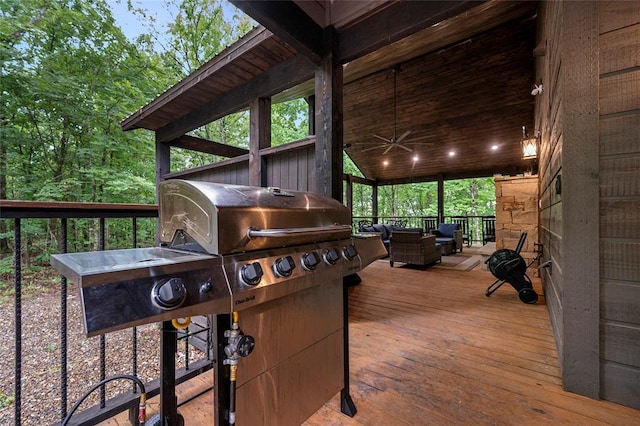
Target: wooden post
(311,109)
(259,138)
(163,167)
(349,191)
(580,266)
(328,119)
(374,202)
(440,199)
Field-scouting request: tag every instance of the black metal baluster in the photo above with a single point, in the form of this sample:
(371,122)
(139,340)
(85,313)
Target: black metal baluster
(102,337)
(134,338)
(63,326)
(18,323)
(186,348)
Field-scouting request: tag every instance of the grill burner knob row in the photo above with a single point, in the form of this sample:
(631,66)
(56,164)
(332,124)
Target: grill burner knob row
(251,273)
(332,256)
(169,293)
(284,266)
(350,252)
(310,260)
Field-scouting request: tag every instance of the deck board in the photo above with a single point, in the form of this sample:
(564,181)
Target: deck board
(427,347)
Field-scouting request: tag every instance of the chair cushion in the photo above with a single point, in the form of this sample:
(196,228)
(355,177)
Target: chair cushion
(419,230)
(447,229)
(367,228)
(378,227)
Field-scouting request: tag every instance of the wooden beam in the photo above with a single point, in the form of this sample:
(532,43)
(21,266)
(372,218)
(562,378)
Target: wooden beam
(193,143)
(358,179)
(259,138)
(283,76)
(328,93)
(395,23)
(580,195)
(286,20)
(477,173)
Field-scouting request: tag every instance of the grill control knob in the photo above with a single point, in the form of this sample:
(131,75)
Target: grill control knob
(310,260)
(169,294)
(251,273)
(285,266)
(332,256)
(350,252)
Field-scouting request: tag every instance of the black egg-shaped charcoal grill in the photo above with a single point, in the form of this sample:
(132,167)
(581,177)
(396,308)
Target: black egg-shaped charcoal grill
(508,266)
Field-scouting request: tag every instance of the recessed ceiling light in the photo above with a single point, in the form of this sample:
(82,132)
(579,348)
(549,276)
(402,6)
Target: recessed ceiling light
(385,163)
(494,147)
(415,158)
(452,153)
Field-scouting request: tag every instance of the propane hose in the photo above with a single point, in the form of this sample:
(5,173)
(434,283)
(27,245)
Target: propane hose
(238,346)
(142,413)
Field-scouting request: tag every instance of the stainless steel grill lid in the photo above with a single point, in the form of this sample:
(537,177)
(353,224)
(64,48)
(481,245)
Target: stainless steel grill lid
(225,219)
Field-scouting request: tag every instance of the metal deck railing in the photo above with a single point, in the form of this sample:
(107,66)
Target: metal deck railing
(474,224)
(16,214)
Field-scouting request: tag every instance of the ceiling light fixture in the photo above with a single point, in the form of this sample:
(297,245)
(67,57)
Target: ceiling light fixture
(415,158)
(452,153)
(494,147)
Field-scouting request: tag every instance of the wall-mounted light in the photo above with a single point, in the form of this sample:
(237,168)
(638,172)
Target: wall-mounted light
(529,146)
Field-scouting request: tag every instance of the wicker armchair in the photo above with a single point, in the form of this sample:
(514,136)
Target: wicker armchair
(412,247)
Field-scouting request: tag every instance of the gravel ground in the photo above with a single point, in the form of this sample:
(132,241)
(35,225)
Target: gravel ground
(41,394)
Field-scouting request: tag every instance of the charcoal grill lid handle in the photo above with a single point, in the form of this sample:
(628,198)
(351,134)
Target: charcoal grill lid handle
(288,232)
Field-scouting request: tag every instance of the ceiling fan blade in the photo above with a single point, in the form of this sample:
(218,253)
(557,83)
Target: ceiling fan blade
(388,149)
(402,136)
(381,138)
(370,143)
(405,147)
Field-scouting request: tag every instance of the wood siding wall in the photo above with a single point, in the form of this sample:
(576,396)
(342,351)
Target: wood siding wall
(293,169)
(619,131)
(589,116)
(288,167)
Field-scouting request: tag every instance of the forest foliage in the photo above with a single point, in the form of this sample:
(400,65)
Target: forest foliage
(69,75)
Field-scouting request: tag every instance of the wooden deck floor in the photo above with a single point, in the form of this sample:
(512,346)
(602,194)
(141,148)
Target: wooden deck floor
(428,348)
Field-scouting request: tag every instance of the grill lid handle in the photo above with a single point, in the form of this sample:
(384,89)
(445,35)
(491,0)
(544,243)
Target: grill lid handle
(289,232)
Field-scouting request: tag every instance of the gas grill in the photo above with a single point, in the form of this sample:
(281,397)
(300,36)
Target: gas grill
(267,260)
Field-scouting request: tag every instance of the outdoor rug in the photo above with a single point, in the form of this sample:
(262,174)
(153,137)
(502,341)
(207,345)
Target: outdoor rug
(459,262)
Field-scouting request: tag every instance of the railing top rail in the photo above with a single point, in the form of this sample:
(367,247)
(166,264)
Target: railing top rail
(58,209)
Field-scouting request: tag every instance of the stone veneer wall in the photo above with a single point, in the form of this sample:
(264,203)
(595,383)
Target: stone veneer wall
(517,212)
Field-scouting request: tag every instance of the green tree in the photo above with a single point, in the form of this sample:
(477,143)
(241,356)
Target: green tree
(69,76)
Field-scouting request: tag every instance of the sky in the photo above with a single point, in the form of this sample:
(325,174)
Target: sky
(129,23)
(164,15)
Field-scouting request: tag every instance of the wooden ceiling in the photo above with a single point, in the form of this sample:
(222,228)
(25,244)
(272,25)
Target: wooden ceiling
(464,75)
(463,99)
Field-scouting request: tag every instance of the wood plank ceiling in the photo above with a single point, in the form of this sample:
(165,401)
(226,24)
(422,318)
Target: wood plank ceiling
(466,103)
(464,75)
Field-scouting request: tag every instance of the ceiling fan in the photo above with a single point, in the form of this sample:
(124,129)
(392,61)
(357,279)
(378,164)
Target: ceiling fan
(395,140)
